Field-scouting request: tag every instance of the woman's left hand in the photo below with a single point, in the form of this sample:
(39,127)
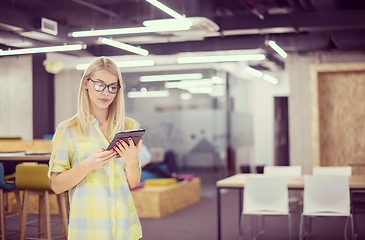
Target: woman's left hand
(128,153)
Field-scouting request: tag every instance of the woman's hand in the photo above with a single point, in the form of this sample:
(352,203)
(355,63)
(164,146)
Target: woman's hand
(98,159)
(129,153)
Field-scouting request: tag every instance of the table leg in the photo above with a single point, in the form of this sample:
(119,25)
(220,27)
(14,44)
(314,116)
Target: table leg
(219,212)
(240,202)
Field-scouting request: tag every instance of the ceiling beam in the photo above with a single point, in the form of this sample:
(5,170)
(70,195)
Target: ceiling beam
(304,21)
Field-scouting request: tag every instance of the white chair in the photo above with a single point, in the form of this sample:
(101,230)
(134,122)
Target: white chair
(332,171)
(287,171)
(265,195)
(326,196)
(283,170)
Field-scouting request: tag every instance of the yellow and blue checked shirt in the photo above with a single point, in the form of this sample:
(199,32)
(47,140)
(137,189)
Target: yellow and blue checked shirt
(101,205)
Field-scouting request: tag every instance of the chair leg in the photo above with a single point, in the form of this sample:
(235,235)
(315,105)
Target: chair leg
(18,203)
(301,227)
(241,225)
(352,227)
(2,214)
(41,220)
(48,214)
(24,215)
(290,226)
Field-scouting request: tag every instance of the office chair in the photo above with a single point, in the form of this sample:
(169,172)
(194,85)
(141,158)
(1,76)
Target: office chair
(263,196)
(326,196)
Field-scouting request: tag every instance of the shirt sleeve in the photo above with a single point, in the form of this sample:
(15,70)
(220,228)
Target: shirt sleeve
(62,151)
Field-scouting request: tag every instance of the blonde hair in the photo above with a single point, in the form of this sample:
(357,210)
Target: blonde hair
(116,115)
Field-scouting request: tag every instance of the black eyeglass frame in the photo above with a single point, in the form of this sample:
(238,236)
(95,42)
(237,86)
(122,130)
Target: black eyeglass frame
(105,86)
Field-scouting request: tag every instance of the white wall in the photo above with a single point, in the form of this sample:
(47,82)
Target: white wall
(263,116)
(67,84)
(16,105)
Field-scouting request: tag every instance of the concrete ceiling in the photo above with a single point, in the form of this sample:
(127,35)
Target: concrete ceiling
(296,25)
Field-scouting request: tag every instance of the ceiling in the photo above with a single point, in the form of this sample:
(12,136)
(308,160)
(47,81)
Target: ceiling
(219,25)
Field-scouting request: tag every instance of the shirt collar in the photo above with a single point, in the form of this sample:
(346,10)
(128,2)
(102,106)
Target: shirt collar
(94,120)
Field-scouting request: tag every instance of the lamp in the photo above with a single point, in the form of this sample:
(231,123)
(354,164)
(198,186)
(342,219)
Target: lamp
(221,58)
(166,9)
(124,46)
(62,48)
(253,72)
(278,49)
(132,30)
(148,94)
(259,74)
(170,77)
(185,84)
(124,64)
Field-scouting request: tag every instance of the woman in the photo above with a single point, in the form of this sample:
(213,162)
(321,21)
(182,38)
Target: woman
(98,181)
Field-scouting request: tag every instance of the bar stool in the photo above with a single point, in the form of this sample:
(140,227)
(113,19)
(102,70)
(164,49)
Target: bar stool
(5,188)
(33,179)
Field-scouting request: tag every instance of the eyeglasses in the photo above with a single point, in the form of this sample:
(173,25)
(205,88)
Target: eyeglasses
(100,86)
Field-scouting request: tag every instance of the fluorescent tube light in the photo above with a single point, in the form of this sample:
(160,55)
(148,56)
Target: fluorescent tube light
(222,58)
(124,64)
(133,30)
(199,90)
(166,9)
(43,49)
(185,96)
(124,46)
(278,49)
(186,84)
(217,80)
(254,72)
(148,94)
(170,77)
(270,79)
(168,22)
(259,74)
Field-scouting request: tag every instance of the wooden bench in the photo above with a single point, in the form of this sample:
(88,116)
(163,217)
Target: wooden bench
(158,201)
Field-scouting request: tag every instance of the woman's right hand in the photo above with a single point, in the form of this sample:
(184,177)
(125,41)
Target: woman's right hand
(98,159)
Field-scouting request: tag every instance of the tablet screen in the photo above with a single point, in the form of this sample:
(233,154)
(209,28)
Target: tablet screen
(136,135)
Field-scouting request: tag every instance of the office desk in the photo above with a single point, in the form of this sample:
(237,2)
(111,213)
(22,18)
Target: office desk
(356,182)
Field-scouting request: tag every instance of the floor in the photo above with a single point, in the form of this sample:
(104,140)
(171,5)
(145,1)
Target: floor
(200,219)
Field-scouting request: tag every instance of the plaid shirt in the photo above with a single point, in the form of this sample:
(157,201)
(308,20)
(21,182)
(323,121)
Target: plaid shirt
(101,205)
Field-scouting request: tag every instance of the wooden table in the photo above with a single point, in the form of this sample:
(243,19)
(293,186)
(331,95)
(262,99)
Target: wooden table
(356,182)
(40,158)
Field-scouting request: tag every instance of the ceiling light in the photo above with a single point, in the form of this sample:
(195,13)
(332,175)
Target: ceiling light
(148,94)
(124,46)
(170,77)
(186,84)
(222,58)
(133,30)
(254,72)
(43,49)
(278,49)
(124,64)
(185,96)
(259,74)
(217,80)
(199,90)
(270,79)
(166,9)
(168,22)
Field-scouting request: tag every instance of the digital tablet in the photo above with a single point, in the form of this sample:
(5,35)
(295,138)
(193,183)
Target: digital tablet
(136,135)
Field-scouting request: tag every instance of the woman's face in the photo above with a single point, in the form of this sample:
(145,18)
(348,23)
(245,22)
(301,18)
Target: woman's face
(101,100)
